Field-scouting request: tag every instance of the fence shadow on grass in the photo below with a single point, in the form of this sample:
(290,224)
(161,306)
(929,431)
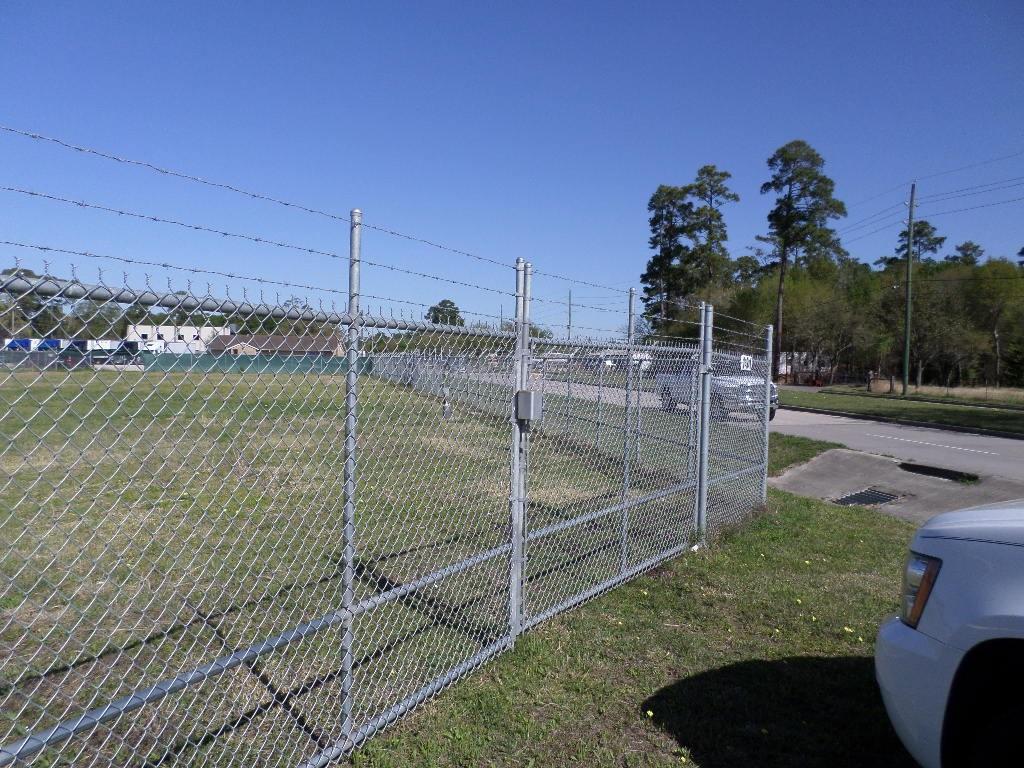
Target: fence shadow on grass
(799,711)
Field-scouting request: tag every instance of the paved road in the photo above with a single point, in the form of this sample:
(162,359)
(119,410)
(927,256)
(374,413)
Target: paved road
(982,455)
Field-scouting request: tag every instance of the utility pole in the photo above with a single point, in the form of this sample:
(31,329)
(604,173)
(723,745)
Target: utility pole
(568,332)
(910,273)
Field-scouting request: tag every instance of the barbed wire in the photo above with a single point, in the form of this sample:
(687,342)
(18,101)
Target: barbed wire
(241,236)
(171,172)
(432,244)
(245,192)
(429,306)
(166,265)
(556,276)
(175,222)
(574,305)
(438,278)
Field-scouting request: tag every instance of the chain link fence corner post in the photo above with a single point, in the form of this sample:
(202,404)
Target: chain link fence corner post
(707,315)
(349,512)
(767,409)
(517,482)
(630,331)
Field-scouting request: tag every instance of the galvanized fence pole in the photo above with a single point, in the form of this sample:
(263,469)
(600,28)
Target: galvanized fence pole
(639,402)
(349,510)
(600,389)
(767,410)
(707,316)
(516,502)
(630,330)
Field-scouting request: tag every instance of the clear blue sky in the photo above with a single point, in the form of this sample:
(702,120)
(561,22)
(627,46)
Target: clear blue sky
(518,129)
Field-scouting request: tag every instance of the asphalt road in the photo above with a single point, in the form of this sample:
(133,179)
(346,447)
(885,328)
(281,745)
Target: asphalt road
(980,454)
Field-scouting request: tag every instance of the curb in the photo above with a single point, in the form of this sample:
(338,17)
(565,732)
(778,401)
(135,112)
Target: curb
(909,423)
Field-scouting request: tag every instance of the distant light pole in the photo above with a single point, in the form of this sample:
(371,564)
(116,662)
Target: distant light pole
(910,273)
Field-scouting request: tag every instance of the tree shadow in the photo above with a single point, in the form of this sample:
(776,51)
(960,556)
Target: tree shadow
(799,711)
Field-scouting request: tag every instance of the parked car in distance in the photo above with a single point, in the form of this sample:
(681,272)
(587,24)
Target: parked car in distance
(951,665)
(730,393)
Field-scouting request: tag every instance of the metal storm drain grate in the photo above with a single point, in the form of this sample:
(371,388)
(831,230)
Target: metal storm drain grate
(867,497)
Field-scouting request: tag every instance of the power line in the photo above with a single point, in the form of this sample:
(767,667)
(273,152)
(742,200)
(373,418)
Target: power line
(867,220)
(890,225)
(975,186)
(932,214)
(976,207)
(936,175)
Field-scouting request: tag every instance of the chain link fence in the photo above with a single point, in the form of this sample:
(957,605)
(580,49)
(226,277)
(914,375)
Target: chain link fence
(266,549)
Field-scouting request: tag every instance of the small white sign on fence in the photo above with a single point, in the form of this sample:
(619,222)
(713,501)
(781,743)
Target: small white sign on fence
(746,362)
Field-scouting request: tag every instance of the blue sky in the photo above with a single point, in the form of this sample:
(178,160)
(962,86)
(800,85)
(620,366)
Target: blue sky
(528,129)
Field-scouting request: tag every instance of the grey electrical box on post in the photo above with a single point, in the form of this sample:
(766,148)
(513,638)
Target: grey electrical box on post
(529,405)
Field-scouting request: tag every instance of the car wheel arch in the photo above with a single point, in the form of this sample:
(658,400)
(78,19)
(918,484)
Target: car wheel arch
(997,662)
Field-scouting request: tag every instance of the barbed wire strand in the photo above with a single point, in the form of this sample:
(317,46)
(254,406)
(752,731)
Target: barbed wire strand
(245,192)
(556,276)
(175,222)
(237,235)
(166,265)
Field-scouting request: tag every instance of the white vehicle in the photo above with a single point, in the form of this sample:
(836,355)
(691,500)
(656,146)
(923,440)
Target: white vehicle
(951,666)
(729,393)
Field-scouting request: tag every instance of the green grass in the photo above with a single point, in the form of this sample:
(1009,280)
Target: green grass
(755,652)
(1006,420)
(154,522)
(785,451)
(1010,397)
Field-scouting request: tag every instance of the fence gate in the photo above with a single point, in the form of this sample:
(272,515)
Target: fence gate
(265,555)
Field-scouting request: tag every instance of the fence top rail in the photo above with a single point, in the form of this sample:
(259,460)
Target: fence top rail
(680,345)
(51,287)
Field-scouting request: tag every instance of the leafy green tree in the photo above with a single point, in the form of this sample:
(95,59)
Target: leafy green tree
(968,253)
(926,241)
(664,280)
(688,236)
(445,312)
(711,264)
(996,293)
(798,222)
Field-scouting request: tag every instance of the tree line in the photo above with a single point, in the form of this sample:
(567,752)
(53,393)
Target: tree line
(834,315)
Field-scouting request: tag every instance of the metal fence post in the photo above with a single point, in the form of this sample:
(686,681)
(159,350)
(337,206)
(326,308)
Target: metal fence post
(707,316)
(630,330)
(516,502)
(767,410)
(349,510)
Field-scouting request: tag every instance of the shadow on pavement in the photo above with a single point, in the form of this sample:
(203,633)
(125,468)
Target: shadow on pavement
(799,711)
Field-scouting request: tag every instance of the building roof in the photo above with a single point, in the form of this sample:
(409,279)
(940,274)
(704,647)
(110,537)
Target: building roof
(288,344)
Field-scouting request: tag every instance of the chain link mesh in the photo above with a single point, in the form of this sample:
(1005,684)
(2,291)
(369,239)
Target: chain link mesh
(183,582)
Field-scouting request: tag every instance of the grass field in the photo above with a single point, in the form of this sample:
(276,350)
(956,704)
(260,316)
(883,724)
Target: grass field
(790,450)
(1002,419)
(1012,397)
(155,522)
(757,652)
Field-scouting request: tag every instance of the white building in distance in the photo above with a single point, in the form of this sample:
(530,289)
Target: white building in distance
(177,339)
